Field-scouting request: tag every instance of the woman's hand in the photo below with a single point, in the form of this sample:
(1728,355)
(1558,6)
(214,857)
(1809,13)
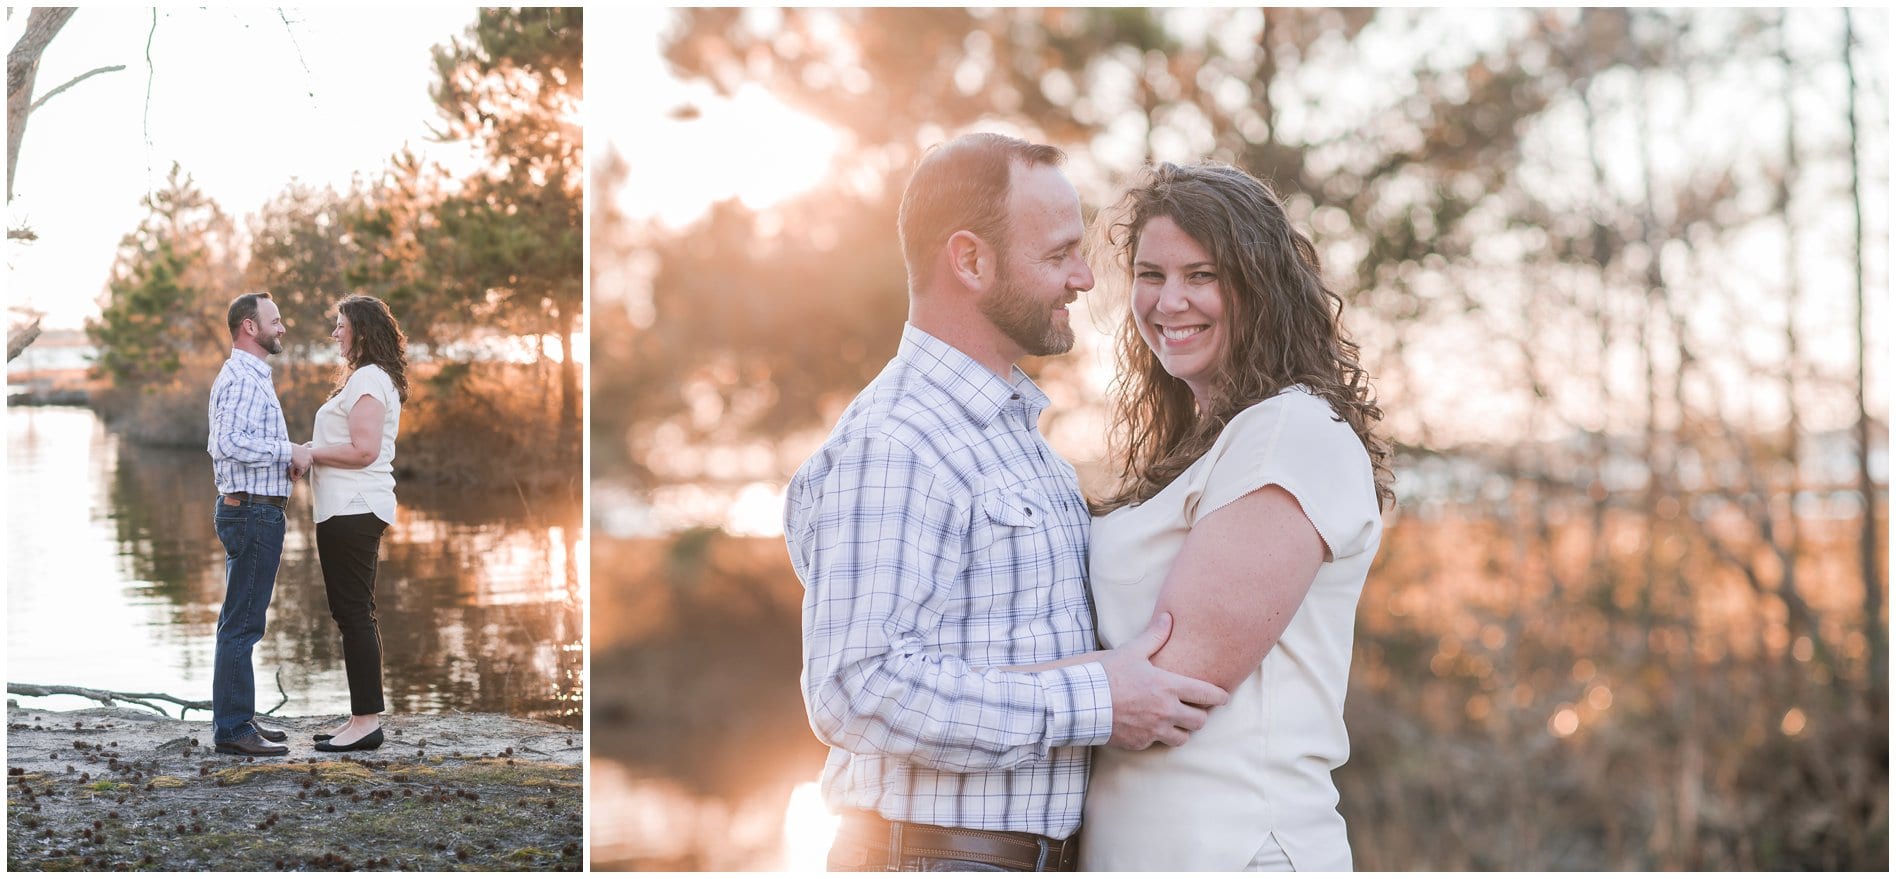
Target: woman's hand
(302,457)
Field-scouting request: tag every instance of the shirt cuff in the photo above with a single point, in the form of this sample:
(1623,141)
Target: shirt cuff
(1079,704)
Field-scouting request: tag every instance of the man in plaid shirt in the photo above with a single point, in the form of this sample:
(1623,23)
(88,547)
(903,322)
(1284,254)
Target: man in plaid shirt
(255,464)
(949,651)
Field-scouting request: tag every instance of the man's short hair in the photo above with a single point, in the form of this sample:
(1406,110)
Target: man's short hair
(963,184)
(243,308)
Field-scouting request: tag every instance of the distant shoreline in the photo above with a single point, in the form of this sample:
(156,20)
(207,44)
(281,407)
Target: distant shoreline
(77,397)
(449,465)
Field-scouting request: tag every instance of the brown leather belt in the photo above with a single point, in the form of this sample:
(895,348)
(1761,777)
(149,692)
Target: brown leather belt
(894,841)
(243,497)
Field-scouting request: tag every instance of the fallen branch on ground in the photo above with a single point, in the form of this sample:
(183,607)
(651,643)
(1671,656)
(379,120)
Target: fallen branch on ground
(110,698)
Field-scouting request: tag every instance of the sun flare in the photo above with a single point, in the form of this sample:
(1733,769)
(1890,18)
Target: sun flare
(750,147)
(809,827)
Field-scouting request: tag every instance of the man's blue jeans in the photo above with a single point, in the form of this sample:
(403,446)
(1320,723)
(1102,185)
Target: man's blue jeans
(252,534)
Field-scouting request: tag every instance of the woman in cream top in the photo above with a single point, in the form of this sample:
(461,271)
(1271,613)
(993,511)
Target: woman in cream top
(337,488)
(353,484)
(1249,509)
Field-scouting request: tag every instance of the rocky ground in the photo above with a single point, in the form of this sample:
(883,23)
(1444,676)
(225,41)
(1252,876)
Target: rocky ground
(125,788)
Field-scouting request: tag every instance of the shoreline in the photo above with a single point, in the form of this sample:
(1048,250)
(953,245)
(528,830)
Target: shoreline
(126,788)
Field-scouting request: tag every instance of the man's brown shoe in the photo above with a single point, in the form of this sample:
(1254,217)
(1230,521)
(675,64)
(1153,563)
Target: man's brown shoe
(275,735)
(252,745)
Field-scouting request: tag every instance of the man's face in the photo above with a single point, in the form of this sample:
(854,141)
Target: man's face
(1042,270)
(269,327)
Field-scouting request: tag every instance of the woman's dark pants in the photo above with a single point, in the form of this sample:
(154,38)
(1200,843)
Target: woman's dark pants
(347,547)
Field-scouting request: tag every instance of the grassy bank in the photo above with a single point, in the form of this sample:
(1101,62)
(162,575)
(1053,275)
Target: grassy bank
(110,789)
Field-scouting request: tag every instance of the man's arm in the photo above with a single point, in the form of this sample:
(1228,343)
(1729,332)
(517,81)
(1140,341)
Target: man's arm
(879,551)
(1150,704)
(233,437)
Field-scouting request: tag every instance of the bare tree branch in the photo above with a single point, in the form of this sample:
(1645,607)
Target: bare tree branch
(42,24)
(284,698)
(108,697)
(150,72)
(73,82)
(111,697)
(293,41)
(21,336)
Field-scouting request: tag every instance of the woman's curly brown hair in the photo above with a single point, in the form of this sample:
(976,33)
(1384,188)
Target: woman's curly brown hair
(378,340)
(1283,328)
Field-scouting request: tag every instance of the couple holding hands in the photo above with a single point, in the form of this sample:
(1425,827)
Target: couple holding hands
(352,482)
(959,587)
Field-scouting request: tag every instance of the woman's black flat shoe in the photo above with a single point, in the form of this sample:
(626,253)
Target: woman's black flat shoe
(323,737)
(367,743)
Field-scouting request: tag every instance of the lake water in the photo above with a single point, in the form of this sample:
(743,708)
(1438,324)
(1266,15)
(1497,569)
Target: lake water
(115,577)
(702,755)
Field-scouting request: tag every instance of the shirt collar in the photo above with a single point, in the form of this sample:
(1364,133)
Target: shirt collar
(981,393)
(246,360)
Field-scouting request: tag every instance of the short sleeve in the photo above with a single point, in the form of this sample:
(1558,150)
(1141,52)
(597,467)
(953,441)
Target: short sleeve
(1295,441)
(368,381)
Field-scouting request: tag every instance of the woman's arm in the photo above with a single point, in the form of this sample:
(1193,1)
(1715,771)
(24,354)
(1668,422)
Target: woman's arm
(365,438)
(1234,588)
(1238,581)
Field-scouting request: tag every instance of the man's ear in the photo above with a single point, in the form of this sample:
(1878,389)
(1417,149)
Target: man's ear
(971,259)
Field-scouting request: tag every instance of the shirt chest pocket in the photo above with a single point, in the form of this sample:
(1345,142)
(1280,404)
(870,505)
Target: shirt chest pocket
(1015,507)
(1012,540)
(1026,576)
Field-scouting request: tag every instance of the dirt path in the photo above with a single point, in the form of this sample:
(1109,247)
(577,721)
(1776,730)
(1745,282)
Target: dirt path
(118,788)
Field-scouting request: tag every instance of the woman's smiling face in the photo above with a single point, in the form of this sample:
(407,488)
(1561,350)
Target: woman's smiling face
(1178,303)
(344,335)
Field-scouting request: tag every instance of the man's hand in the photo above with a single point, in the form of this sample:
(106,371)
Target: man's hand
(1151,704)
(301,456)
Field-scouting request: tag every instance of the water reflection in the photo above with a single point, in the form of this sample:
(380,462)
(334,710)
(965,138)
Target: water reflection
(115,576)
(702,755)
(645,823)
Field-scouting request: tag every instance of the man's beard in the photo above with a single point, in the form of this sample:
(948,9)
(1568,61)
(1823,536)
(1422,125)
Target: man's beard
(274,345)
(1027,322)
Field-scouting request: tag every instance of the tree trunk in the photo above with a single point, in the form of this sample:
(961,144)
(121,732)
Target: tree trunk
(1788,549)
(42,24)
(1669,603)
(1866,484)
(1599,564)
(569,387)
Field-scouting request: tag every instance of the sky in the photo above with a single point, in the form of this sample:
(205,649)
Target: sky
(244,99)
(638,95)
